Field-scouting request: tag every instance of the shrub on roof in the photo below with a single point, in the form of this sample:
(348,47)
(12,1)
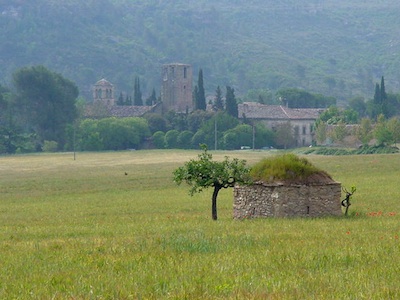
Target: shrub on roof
(288,168)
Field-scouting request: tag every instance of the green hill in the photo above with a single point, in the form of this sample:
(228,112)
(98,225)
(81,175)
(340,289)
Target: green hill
(335,47)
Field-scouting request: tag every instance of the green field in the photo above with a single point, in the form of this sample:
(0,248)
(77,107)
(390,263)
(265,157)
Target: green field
(82,229)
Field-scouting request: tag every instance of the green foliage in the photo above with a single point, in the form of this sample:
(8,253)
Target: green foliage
(286,167)
(199,94)
(159,139)
(185,139)
(358,105)
(137,93)
(218,103)
(364,131)
(339,132)
(334,115)
(378,149)
(320,132)
(197,119)
(263,96)
(284,135)
(386,132)
(171,139)
(231,105)
(224,122)
(50,146)
(297,98)
(241,135)
(152,99)
(205,172)
(46,100)
(156,122)
(111,134)
(198,138)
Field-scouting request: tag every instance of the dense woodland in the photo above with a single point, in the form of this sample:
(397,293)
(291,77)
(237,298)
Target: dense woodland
(338,48)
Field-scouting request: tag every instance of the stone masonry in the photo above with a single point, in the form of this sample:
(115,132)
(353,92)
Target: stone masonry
(283,200)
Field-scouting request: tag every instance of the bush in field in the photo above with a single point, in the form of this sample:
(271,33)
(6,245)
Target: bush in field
(198,138)
(238,136)
(159,139)
(171,139)
(286,167)
(185,139)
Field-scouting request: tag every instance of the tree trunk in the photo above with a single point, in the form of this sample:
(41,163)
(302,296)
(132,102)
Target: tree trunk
(214,203)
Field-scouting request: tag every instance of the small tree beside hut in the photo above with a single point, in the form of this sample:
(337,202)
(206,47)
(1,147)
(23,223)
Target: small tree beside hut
(205,172)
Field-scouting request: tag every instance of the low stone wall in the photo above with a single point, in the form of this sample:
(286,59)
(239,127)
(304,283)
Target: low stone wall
(279,200)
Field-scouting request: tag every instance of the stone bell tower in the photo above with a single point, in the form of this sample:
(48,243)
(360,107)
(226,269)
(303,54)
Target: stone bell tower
(103,92)
(176,91)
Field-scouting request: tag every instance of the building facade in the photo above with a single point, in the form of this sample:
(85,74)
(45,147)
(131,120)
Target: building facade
(301,120)
(176,90)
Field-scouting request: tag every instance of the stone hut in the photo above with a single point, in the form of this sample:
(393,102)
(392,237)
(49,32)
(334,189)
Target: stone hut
(316,196)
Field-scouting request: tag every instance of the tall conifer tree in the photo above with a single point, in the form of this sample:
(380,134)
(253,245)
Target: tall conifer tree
(120,100)
(218,104)
(230,102)
(384,100)
(137,94)
(152,99)
(200,98)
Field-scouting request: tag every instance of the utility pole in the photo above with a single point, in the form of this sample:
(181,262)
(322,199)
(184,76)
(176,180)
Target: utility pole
(254,137)
(215,134)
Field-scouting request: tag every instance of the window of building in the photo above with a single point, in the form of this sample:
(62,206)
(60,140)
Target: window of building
(184,72)
(304,129)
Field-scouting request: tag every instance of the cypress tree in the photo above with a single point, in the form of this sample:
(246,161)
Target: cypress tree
(128,100)
(230,102)
(137,94)
(377,95)
(120,100)
(200,95)
(384,100)
(218,104)
(152,99)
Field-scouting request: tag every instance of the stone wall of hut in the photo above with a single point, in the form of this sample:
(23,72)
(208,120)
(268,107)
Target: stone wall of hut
(279,200)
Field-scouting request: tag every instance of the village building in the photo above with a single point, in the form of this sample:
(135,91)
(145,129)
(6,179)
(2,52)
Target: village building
(103,92)
(176,95)
(176,90)
(301,120)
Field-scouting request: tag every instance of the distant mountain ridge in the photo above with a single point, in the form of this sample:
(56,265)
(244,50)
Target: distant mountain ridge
(338,48)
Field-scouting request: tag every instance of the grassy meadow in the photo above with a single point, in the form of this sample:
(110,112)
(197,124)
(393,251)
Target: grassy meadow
(83,229)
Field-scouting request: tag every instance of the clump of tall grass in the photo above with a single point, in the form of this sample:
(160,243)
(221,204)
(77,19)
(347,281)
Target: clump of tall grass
(288,168)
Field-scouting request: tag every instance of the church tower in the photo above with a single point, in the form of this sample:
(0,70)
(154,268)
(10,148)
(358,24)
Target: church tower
(176,92)
(103,92)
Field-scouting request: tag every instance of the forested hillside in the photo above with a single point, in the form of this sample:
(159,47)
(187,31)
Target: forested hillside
(336,47)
